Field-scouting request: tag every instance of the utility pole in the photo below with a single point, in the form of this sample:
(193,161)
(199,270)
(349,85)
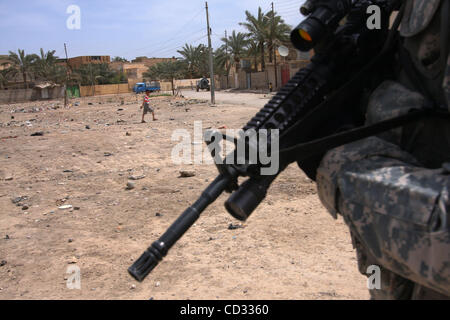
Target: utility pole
(226,56)
(211,65)
(67,76)
(274,50)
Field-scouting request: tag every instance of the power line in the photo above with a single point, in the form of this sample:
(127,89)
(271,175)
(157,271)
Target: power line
(182,29)
(167,50)
(171,43)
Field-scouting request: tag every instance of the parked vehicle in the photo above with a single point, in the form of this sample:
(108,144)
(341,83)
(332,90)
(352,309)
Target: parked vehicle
(153,86)
(203,84)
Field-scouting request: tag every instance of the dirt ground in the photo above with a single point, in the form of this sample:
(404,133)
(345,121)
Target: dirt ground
(290,248)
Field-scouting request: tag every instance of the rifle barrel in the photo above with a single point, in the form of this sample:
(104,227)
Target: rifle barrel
(159,249)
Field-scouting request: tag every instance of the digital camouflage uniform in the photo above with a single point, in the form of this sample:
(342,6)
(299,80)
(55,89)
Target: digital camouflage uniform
(393,189)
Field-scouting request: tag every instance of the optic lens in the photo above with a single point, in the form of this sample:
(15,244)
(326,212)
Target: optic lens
(305,35)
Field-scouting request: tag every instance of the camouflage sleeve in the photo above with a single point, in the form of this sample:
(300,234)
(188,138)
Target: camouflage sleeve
(398,209)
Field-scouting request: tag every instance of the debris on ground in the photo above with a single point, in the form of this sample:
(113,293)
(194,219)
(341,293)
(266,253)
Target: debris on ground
(135,178)
(19,199)
(235,226)
(37,134)
(187,174)
(130,185)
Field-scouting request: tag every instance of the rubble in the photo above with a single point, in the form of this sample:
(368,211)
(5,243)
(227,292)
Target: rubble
(187,174)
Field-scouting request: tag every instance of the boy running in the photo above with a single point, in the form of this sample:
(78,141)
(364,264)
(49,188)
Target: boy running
(147,107)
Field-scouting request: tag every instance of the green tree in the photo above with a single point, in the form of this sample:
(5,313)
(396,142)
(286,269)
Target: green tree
(3,79)
(278,32)
(253,53)
(22,64)
(91,74)
(222,62)
(196,60)
(258,28)
(236,45)
(166,71)
(119,59)
(45,67)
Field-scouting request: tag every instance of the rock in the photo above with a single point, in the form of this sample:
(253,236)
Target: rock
(130,185)
(67,171)
(88,127)
(90,104)
(108,154)
(3,263)
(74,260)
(234,226)
(135,178)
(19,199)
(25,208)
(9,178)
(158,214)
(37,134)
(70,240)
(133,286)
(65,207)
(187,174)
(7,237)
(128,134)
(76,208)
(158,284)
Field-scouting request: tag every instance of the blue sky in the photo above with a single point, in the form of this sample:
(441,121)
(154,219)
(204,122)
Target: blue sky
(127,28)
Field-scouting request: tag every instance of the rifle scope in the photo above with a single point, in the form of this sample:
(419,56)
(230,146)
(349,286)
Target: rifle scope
(323,19)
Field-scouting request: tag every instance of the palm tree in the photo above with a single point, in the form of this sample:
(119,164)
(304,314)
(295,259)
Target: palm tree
(3,78)
(45,65)
(21,64)
(196,59)
(236,44)
(253,53)
(169,70)
(278,32)
(258,28)
(222,63)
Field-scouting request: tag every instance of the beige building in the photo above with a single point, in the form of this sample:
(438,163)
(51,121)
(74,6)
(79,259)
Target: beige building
(78,61)
(4,62)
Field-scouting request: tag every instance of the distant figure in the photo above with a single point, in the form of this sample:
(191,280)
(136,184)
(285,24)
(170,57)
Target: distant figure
(147,107)
(270,87)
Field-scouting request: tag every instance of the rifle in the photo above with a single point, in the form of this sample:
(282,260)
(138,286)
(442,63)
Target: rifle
(317,110)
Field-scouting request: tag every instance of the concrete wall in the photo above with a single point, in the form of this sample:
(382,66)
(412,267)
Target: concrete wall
(17,95)
(99,90)
(259,80)
(22,95)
